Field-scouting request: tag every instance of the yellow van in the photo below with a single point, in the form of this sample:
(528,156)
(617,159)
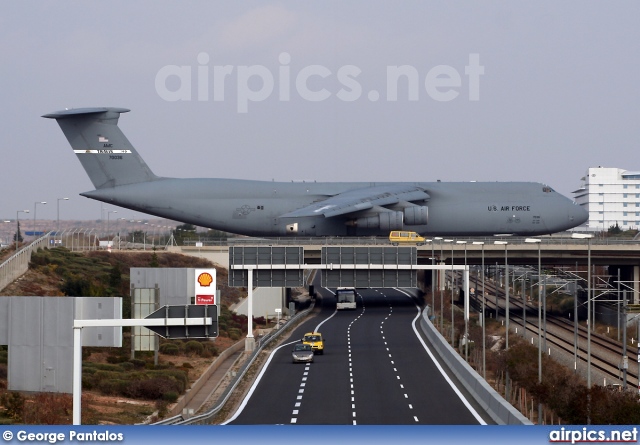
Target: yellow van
(397,237)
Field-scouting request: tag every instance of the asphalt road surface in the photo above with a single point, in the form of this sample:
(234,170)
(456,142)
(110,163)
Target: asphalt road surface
(376,370)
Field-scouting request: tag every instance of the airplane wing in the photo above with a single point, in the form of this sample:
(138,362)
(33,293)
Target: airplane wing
(361,199)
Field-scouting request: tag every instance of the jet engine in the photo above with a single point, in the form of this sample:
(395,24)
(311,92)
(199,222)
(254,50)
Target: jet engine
(383,220)
(416,215)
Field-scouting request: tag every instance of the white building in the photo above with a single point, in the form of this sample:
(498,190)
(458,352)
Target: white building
(611,196)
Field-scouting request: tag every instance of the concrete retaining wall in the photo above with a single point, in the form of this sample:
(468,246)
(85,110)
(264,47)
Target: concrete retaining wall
(502,412)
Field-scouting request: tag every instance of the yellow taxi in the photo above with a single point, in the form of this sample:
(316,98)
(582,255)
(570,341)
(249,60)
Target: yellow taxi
(397,237)
(314,339)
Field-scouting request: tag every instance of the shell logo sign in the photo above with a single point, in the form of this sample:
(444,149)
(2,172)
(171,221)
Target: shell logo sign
(205,279)
(205,286)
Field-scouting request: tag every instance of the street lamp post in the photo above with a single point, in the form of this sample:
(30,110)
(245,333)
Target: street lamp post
(452,314)
(506,311)
(109,212)
(433,286)
(466,322)
(18,225)
(34,216)
(589,327)
(538,241)
(484,340)
(440,287)
(58,214)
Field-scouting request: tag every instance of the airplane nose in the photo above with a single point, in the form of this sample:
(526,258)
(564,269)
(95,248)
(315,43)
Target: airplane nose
(578,215)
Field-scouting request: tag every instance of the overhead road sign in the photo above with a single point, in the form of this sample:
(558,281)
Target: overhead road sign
(188,321)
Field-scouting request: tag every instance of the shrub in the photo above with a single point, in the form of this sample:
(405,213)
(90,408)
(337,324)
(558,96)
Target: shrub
(169,349)
(153,388)
(13,403)
(126,366)
(137,363)
(193,347)
(234,334)
(113,387)
(170,396)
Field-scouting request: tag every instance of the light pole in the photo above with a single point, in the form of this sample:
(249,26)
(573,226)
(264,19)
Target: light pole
(452,333)
(589,327)
(484,341)
(18,225)
(506,312)
(109,212)
(58,214)
(34,216)
(440,286)
(466,322)
(8,231)
(538,241)
(433,284)
(118,230)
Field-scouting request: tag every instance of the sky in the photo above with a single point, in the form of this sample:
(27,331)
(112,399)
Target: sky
(328,91)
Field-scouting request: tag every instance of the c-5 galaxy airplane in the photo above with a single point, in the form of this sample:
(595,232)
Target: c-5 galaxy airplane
(262,208)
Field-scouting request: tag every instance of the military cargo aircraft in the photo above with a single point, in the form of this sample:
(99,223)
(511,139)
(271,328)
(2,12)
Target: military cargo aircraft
(269,209)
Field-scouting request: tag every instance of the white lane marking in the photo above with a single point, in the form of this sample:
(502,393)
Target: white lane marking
(294,420)
(295,412)
(473,412)
(415,418)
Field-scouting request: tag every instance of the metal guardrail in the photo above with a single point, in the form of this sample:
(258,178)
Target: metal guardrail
(224,397)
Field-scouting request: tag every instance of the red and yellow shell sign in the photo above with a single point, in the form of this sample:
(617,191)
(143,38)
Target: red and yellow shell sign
(205,279)
(205,286)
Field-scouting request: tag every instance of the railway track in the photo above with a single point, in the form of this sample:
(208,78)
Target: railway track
(561,337)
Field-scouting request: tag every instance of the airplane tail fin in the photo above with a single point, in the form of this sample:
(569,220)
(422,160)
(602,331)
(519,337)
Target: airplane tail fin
(104,151)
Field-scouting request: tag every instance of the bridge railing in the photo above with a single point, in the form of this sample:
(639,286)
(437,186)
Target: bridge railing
(17,264)
(548,240)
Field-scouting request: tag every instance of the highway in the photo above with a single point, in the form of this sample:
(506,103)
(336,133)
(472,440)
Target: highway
(375,370)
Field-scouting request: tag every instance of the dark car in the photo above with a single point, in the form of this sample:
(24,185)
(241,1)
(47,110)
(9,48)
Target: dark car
(302,353)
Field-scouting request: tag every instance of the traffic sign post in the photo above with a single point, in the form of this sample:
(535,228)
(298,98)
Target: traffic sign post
(186,321)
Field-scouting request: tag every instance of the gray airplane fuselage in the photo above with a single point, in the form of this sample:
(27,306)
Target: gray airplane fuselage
(254,207)
(262,208)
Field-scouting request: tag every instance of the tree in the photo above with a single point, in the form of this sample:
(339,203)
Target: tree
(18,236)
(154,259)
(184,232)
(615,230)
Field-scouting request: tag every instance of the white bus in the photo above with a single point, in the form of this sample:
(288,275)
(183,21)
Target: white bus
(346,298)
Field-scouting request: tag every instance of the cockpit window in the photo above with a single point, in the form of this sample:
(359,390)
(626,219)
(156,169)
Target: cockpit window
(547,189)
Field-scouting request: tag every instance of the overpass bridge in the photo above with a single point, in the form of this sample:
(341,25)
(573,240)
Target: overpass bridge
(550,251)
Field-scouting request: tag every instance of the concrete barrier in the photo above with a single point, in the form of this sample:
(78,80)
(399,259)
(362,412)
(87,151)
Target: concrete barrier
(501,412)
